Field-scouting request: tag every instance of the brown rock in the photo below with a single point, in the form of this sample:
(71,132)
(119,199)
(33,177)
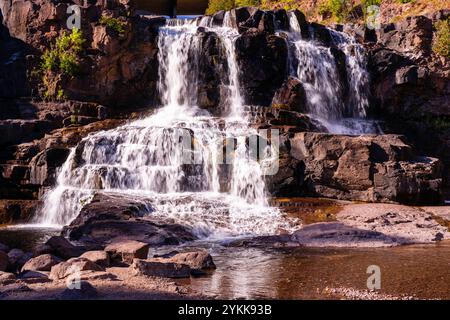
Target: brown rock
(3,261)
(71,266)
(98,257)
(290,96)
(197,260)
(155,268)
(6,278)
(61,247)
(127,250)
(43,262)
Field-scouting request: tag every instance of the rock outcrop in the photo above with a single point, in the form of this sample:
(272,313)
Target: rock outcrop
(366,168)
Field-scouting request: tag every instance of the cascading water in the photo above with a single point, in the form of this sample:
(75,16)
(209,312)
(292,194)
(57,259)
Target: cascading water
(315,66)
(147,157)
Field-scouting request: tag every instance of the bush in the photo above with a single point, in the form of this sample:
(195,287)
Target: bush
(217,5)
(441,44)
(247,3)
(338,8)
(404,1)
(113,23)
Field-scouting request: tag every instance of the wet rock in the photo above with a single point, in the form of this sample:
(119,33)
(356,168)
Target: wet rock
(153,268)
(337,234)
(72,266)
(44,165)
(263,66)
(98,257)
(304,26)
(41,263)
(61,247)
(291,96)
(16,211)
(121,217)
(86,291)
(321,34)
(126,251)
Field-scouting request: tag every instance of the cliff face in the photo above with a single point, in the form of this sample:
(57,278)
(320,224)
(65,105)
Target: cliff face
(118,71)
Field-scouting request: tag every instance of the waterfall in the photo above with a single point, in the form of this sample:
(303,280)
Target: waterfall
(315,66)
(153,157)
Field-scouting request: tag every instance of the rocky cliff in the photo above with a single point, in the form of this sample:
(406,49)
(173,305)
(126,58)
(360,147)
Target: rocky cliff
(118,72)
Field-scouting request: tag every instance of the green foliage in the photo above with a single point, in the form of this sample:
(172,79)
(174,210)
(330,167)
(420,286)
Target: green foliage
(441,44)
(404,1)
(217,5)
(338,8)
(247,3)
(113,23)
(368,3)
(63,56)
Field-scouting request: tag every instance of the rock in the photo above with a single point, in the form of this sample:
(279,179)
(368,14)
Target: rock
(126,251)
(85,292)
(159,269)
(263,66)
(31,277)
(337,234)
(321,34)
(366,168)
(61,247)
(117,216)
(3,261)
(13,288)
(98,257)
(291,96)
(41,263)
(44,165)
(17,258)
(281,20)
(6,278)
(20,130)
(196,260)
(72,266)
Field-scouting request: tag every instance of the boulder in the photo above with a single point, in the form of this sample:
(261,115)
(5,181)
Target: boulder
(43,262)
(303,24)
(126,251)
(30,277)
(196,260)
(17,258)
(367,168)
(61,247)
(153,268)
(73,266)
(291,96)
(110,216)
(98,257)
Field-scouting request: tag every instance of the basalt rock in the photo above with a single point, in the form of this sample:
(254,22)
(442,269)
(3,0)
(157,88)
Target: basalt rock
(291,96)
(114,217)
(366,168)
(263,66)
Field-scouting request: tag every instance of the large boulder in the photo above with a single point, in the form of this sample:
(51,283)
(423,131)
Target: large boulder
(367,168)
(291,96)
(44,165)
(17,258)
(110,217)
(72,266)
(61,247)
(98,257)
(196,260)
(43,262)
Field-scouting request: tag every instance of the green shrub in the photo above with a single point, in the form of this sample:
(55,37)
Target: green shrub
(404,1)
(50,60)
(441,44)
(247,3)
(217,5)
(113,23)
(338,8)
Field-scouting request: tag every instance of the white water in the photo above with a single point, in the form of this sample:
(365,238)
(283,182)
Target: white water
(316,68)
(146,157)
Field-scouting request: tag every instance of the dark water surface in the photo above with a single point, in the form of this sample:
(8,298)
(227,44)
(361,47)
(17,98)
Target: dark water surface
(25,238)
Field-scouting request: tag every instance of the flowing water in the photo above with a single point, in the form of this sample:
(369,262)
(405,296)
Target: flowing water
(153,156)
(176,157)
(339,104)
